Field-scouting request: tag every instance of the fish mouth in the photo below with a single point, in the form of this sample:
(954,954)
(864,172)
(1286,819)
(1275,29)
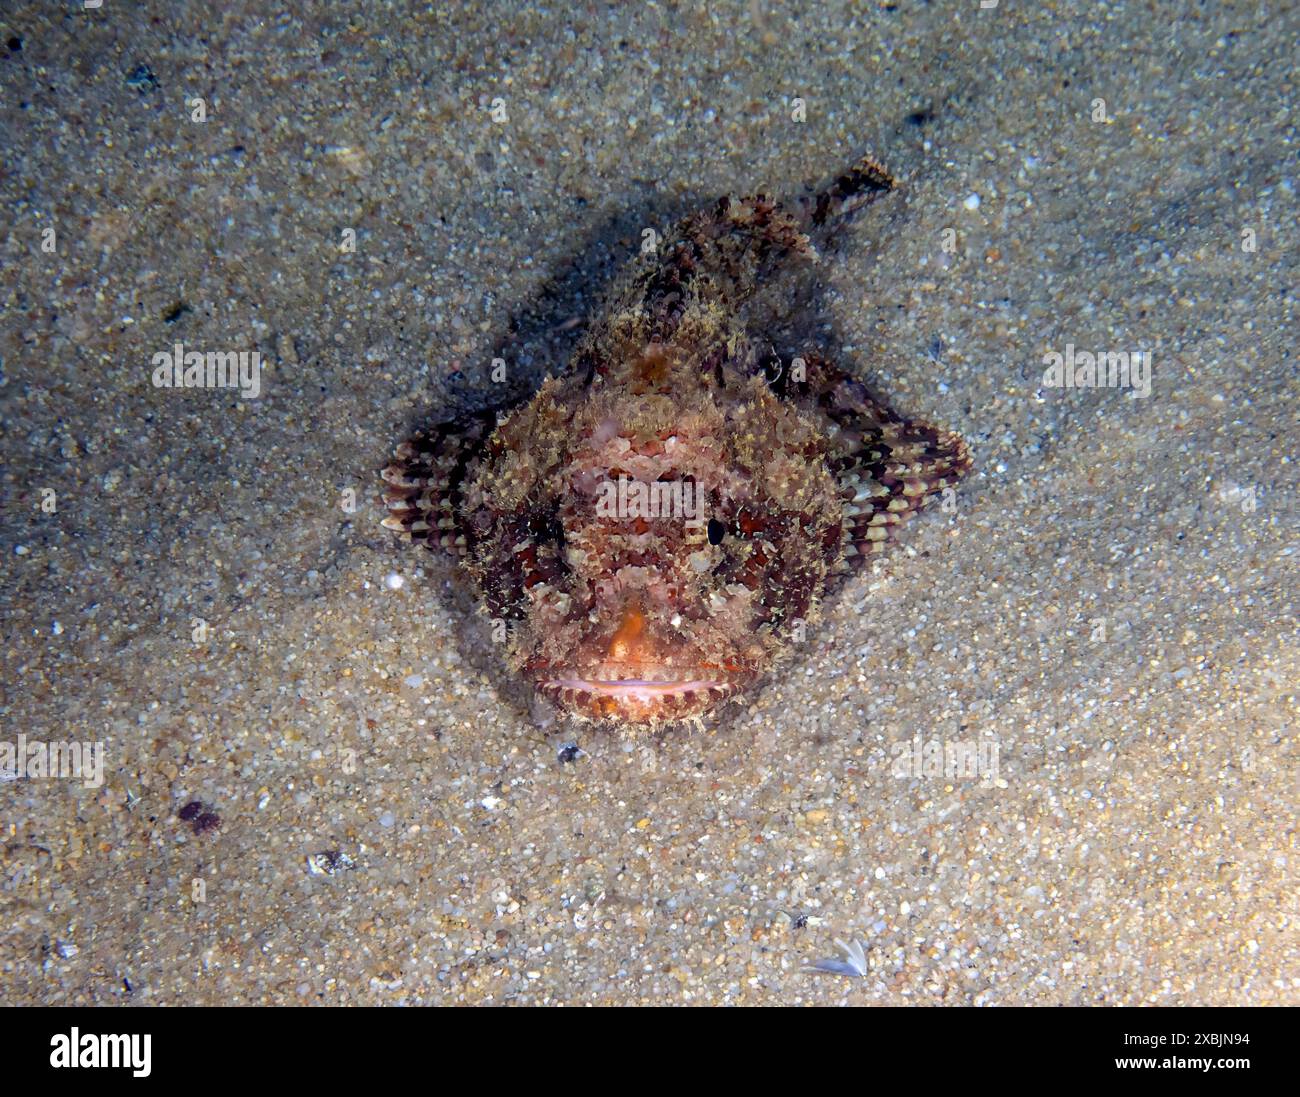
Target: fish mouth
(646,695)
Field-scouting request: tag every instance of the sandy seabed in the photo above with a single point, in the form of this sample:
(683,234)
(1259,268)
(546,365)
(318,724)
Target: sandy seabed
(1108,612)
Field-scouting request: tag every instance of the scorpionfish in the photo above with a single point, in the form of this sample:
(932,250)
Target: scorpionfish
(656,526)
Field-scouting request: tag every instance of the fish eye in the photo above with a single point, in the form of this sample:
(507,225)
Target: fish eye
(717,531)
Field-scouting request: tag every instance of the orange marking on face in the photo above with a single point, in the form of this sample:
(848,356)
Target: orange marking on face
(628,639)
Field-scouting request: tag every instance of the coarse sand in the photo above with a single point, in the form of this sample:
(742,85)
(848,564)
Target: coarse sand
(382,201)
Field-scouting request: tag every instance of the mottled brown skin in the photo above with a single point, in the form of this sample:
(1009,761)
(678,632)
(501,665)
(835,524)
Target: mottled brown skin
(646,619)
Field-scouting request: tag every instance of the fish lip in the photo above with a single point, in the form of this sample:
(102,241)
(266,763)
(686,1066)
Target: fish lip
(641,694)
(612,677)
(663,687)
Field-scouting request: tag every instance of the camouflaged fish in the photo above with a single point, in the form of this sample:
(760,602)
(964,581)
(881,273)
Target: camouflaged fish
(657,523)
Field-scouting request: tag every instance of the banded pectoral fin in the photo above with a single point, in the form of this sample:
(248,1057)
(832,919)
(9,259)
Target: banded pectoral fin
(834,205)
(425,482)
(887,467)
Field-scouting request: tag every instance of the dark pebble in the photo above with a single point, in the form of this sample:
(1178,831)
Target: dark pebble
(209,820)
